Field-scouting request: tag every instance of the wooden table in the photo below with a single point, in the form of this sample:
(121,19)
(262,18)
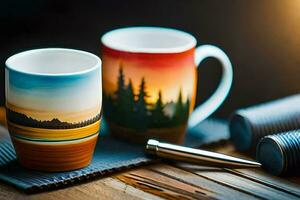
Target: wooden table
(174,181)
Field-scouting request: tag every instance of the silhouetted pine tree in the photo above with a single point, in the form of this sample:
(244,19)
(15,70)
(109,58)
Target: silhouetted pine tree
(187,108)
(120,96)
(130,101)
(124,109)
(159,105)
(121,79)
(179,116)
(158,117)
(142,96)
(186,111)
(130,105)
(108,106)
(141,107)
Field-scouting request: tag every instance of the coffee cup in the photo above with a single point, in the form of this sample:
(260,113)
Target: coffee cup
(150,83)
(53,107)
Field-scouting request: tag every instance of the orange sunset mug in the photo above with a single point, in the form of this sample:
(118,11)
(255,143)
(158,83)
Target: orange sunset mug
(150,80)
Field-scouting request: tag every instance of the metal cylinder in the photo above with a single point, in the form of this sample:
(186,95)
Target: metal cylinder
(280,154)
(247,126)
(196,156)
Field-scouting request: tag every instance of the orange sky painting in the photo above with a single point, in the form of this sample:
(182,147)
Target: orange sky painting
(165,72)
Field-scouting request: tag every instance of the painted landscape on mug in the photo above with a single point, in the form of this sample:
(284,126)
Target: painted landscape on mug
(24,117)
(148,94)
(51,108)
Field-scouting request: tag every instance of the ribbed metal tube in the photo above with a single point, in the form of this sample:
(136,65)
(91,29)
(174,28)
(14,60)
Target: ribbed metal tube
(280,154)
(249,125)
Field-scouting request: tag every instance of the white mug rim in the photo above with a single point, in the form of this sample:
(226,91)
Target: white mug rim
(9,66)
(109,40)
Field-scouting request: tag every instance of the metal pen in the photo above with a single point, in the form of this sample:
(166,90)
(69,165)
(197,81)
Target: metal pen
(197,156)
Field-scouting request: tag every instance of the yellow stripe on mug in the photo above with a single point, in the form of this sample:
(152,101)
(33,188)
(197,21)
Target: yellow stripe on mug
(53,134)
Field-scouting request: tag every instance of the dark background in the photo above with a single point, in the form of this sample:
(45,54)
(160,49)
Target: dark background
(261,37)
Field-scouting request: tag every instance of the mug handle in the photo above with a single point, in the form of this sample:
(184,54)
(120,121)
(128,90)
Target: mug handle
(217,98)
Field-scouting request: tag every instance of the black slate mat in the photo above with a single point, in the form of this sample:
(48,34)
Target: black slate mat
(111,155)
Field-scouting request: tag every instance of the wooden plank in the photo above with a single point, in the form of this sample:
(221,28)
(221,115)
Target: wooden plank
(218,191)
(8,192)
(106,188)
(239,183)
(163,186)
(268,180)
(128,189)
(288,183)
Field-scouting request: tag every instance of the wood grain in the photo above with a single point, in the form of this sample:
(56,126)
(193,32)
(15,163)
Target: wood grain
(218,191)
(164,186)
(242,184)
(270,181)
(228,148)
(101,189)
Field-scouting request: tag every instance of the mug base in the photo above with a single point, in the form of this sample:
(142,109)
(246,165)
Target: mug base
(55,156)
(174,135)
